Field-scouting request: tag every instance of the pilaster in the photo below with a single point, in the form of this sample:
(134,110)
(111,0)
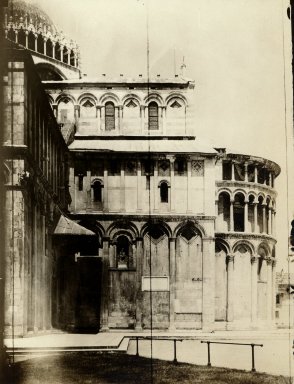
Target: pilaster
(208,298)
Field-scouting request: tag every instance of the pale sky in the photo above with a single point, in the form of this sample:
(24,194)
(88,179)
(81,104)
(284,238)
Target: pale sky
(233,50)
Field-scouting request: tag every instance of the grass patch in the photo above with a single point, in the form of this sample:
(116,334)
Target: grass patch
(113,368)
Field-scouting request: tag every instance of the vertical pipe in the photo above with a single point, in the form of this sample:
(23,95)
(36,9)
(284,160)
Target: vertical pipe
(208,354)
(175,351)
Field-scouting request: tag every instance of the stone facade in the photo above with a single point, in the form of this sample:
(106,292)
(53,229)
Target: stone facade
(36,189)
(166,233)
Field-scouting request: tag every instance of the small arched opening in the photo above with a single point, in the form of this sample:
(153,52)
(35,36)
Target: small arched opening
(153,116)
(239,217)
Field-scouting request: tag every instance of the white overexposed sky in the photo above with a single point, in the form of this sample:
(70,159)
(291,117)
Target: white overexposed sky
(237,51)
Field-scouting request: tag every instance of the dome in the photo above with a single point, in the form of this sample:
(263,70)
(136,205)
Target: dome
(31,13)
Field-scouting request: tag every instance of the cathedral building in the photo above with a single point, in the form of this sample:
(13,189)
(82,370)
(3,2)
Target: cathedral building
(122,218)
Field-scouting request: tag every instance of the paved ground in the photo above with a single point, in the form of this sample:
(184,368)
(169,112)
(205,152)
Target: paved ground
(274,357)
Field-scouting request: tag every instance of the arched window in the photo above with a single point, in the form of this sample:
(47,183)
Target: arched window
(239,213)
(31,41)
(21,37)
(164,192)
(152,116)
(97,191)
(40,44)
(49,48)
(109,116)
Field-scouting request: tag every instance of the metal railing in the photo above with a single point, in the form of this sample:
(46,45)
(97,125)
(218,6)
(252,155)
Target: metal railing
(208,342)
(174,339)
(180,339)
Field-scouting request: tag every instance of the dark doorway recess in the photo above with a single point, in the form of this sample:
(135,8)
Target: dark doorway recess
(87,308)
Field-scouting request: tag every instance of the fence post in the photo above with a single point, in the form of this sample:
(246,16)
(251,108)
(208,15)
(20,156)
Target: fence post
(175,351)
(137,346)
(253,363)
(208,352)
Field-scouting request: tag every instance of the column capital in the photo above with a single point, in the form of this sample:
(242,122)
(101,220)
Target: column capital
(254,259)
(139,238)
(171,158)
(268,260)
(172,238)
(106,239)
(230,258)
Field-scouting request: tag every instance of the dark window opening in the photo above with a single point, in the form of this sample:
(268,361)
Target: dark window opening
(164,192)
(31,41)
(109,116)
(239,172)
(180,167)
(21,37)
(239,214)
(227,170)
(261,175)
(40,44)
(114,168)
(153,116)
(148,167)
(97,191)
(81,177)
(251,172)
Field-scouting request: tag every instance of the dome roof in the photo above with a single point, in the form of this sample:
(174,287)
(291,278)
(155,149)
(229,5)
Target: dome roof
(32,13)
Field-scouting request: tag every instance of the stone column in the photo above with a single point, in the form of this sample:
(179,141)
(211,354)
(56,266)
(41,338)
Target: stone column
(274,222)
(139,296)
(208,297)
(231,288)
(254,260)
(255,174)
(142,116)
(172,277)
(269,296)
(269,226)
(45,46)
(119,117)
(270,179)
(122,187)
(105,285)
(16,36)
(105,189)
(231,215)
(246,172)
(53,50)
(164,120)
(246,224)
(61,53)
(155,186)
(36,43)
(255,216)
(27,39)
(68,56)
(189,174)
(233,171)
(172,184)
(263,218)
(274,263)
(139,186)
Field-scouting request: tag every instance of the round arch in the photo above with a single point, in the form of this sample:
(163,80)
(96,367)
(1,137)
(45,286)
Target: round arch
(109,96)
(153,224)
(245,243)
(87,96)
(223,245)
(175,96)
(65,96)
(123,225)
(200,230)
(49,71)
(131,96)
(155,97)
